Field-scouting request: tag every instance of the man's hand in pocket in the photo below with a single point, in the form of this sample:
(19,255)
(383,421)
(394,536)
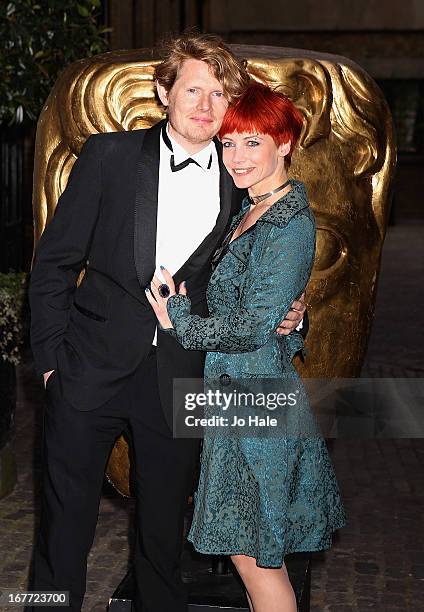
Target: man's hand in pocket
(46,377)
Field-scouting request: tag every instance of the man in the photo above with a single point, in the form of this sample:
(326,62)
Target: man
(134,201)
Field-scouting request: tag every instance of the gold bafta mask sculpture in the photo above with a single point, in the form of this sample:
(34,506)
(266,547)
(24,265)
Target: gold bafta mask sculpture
(346,158)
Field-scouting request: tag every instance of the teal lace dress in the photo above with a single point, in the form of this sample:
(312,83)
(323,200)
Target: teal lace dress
(261,497)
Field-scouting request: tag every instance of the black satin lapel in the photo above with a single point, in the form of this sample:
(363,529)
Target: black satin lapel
(146,205)
(226,187)
(214,238)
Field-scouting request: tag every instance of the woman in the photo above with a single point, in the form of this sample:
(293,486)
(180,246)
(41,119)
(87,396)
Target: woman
(258,499)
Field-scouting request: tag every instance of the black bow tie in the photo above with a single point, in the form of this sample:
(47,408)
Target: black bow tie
(175,167)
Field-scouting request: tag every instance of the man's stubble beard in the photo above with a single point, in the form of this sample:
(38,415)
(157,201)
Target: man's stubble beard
(205,138)
(194,135)
(198,135)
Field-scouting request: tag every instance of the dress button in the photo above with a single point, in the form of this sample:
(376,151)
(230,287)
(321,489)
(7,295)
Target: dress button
(225,379)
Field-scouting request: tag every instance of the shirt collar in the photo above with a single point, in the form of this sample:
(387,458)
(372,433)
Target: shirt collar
(180,154)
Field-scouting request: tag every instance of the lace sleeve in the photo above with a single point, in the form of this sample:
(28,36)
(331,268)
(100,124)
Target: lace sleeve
(274,281)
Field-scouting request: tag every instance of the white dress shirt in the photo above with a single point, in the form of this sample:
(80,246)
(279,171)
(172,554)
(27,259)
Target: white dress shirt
(188,204)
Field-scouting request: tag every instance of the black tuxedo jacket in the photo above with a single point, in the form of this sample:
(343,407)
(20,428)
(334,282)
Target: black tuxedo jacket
(95,335)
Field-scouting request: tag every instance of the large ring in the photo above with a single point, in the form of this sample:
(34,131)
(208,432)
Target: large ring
(164,290)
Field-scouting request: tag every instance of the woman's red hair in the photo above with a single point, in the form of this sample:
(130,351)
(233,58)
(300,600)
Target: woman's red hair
(264,111)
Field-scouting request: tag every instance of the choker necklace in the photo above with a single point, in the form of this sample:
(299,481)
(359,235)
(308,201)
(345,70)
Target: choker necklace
(260,198)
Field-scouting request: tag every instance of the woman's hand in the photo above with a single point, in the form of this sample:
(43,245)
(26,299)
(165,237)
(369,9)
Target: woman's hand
(157,302)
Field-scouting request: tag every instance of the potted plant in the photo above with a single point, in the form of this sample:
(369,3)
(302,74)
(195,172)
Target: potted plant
(39,38)
(12,327)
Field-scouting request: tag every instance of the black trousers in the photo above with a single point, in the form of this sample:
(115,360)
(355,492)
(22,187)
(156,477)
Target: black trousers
(76,448)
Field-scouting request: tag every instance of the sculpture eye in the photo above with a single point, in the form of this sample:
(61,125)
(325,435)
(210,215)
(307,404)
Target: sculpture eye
(331,250)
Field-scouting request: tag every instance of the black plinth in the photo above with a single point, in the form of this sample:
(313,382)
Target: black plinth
(210,592)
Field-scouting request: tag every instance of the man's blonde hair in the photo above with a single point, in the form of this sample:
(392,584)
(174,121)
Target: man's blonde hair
(209,48)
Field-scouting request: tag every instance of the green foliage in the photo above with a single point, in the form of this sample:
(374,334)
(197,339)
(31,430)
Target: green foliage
(38,40)
(12,319)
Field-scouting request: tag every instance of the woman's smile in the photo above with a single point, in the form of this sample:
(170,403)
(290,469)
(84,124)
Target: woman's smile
(242,170)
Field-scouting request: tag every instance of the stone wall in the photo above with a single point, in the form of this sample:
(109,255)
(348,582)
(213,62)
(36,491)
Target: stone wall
(385,36)
(314,15)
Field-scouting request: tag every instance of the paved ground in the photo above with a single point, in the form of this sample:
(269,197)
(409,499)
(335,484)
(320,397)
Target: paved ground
(377,562)
(397,340)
